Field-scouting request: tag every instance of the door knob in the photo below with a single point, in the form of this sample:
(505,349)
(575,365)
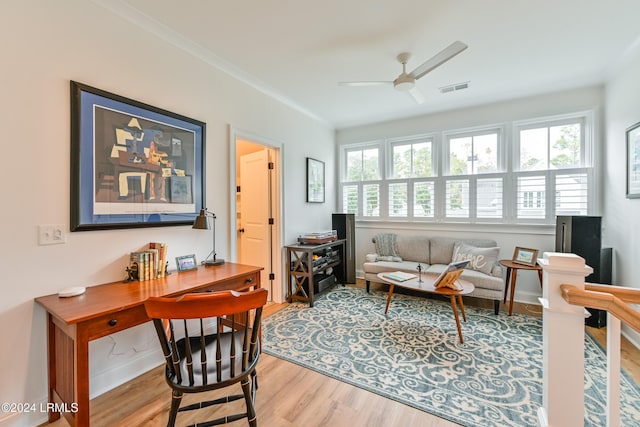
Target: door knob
(240,230)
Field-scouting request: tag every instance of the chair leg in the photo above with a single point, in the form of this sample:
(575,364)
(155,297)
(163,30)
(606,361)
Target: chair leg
(176,398)
(496,306)
(368,283)
(248,398)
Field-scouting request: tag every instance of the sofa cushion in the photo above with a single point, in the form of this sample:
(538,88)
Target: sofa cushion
(441,250)
(385,266)
(482,259)
(414,248)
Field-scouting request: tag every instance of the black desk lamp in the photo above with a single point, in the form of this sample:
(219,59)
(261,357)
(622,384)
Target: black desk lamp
(202,223)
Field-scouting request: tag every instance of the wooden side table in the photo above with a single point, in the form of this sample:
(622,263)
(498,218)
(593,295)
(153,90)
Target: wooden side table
(512,274)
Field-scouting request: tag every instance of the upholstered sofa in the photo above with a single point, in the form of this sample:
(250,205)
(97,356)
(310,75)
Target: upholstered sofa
(404,253)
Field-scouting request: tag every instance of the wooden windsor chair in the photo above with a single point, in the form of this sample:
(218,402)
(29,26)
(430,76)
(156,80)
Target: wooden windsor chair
(221,352)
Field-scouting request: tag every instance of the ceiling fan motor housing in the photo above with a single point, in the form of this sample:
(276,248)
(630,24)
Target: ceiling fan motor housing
(404,82)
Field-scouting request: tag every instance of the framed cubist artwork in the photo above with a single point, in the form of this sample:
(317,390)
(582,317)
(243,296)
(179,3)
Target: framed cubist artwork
(132,165)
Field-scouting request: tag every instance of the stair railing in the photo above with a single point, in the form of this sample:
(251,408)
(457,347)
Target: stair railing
(615,300)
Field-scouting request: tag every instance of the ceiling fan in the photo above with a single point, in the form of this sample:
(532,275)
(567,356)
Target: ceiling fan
(406,81)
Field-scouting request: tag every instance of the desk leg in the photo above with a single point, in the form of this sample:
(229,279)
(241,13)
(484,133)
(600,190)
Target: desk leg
(51,361)
(82,377)
(455,313)
(68,373)
(506,284)
(514,275)
(391,286)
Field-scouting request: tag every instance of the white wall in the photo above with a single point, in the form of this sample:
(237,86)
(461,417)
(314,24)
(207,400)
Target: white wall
(46,44)
(507,236)
(622,215)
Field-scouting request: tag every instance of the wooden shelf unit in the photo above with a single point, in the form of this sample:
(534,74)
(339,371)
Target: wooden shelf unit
(301,268)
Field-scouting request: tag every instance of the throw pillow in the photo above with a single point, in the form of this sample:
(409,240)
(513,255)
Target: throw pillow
(481,259)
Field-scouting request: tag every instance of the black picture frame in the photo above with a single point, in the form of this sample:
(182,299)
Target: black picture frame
(186,262)
(315,181)
(633,161)
(132,164)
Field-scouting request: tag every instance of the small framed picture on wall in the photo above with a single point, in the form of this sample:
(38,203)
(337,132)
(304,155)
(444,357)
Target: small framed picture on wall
(315,181)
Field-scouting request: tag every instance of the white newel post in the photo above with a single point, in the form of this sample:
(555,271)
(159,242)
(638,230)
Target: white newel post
(563,342)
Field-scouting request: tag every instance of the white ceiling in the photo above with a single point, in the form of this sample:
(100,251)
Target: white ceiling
(298,50)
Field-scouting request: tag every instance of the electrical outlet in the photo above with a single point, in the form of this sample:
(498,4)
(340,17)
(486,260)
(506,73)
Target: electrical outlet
(52,234)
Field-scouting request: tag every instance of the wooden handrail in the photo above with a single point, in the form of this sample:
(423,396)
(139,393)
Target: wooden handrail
(630,295)
(613,299)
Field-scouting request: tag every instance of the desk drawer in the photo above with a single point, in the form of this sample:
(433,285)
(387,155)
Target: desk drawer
(239,284)
(114,322)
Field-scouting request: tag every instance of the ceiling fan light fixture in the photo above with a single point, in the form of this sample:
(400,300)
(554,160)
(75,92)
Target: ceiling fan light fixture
(404,82)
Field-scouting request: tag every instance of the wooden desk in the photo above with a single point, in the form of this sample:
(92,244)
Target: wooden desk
(112,307)
(512,274)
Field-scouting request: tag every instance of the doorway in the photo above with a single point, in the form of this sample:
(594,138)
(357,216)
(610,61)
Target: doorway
(256,210)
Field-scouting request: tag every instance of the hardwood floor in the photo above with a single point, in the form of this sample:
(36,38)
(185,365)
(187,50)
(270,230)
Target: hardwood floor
(288,396)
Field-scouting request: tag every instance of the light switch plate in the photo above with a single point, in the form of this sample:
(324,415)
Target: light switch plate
(52,234)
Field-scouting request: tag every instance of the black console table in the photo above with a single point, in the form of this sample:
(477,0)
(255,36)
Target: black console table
(305,261)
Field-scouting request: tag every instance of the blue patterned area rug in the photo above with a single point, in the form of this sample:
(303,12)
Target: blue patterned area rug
(413,356)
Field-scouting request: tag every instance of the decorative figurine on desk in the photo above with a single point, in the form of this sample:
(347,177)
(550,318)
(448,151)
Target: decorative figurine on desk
(419,268)
(132,272)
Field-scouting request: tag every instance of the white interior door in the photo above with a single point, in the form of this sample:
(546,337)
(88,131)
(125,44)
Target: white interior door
(254,233)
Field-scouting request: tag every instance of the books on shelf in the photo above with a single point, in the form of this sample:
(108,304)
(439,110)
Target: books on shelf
(399,276)
(149,263)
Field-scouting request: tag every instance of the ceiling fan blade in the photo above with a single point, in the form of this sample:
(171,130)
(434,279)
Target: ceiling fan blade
(440,58)
(416,94)
(372,83)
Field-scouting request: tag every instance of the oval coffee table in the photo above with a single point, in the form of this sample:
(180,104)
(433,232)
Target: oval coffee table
(426,285)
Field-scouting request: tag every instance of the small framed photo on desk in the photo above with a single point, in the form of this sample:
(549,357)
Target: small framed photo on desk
(186,262)
(525,256)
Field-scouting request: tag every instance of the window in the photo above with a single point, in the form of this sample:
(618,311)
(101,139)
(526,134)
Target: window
(465,175)
(363,165)
(423,198)
(361,181)
(412,159)
(457,196)
(551,147)
(555,151)
(473,154)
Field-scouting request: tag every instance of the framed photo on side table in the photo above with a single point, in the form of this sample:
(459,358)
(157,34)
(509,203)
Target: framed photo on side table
(315,181)
(132,165)
(633,161)
(525,256)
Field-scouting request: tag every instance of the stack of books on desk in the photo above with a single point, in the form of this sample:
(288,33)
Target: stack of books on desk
(149,263)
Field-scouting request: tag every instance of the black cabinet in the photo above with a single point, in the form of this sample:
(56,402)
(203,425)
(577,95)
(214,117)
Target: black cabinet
(582,236)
